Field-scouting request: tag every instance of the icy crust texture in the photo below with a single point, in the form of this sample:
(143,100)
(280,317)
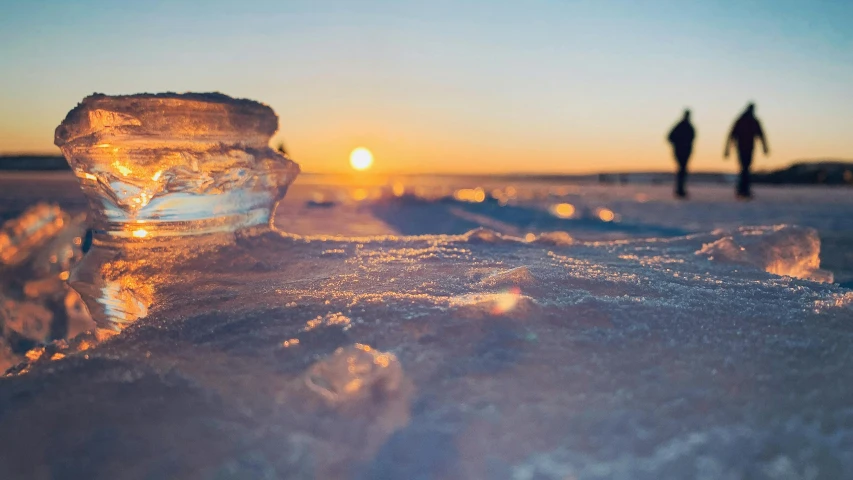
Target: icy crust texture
(474,356)
(782,250)
(175,164)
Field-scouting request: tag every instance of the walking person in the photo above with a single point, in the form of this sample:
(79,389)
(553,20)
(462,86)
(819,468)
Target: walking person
(744,132)
(681,137)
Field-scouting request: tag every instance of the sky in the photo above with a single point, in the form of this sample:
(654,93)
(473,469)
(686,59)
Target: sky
(570,86)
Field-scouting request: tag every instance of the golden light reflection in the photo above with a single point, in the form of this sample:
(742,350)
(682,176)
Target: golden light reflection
(474,195)
(506,301)
(359,194)
(123,169)
(361,159)
(379,358)
(63,276)
(157,175)
(399,189)
(290,343)
(562,210)
(140,233)
(34,354)
(606,215)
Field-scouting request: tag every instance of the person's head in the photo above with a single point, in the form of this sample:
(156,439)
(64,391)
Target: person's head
(687,114)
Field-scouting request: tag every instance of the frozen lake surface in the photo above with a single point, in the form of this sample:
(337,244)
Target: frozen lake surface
(439,328)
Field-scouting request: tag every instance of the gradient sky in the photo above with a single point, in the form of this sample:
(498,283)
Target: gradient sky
(454,86)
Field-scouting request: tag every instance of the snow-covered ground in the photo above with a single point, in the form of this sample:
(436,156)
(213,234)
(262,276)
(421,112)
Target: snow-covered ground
(434,329)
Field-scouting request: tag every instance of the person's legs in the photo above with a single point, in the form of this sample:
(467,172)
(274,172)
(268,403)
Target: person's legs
(681,157)
(680,178)
(743,189)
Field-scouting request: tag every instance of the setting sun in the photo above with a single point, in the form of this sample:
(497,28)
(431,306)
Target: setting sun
(361,158)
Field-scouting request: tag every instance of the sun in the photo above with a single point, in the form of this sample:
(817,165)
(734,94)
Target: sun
(361,158)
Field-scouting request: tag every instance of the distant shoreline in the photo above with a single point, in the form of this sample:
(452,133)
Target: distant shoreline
(821,172)
(33,163)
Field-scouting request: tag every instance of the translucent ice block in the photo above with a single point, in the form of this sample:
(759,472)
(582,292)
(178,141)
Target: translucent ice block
(175,164)
(159,166)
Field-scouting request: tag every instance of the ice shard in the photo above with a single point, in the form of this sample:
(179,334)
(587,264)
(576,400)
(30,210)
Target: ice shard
(159,166)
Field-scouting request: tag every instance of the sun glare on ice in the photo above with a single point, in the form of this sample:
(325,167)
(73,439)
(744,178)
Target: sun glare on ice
(361,159)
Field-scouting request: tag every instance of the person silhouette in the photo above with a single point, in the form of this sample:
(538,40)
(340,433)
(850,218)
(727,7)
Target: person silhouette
(744,132)
(681,137)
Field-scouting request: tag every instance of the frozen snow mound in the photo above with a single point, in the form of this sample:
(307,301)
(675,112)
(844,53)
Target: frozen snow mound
(784,250)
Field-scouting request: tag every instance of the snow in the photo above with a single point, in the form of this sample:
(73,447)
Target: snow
(429,329)
(479,354)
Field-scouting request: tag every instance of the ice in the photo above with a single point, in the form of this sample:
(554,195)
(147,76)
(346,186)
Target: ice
(444,357)
(20,236)
(780,250)
(37,250)
(554,238)
(172,164)
(158,166)
(404,333)
(512,277)
(357,374)
(329,319)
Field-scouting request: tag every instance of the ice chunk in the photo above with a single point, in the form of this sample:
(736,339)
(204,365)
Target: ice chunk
(357,373)
(193,165)
(169,164)
(781,250)
(512,277)
(484,235)
(509,300)
(20,236)
(556,239)
(36,306)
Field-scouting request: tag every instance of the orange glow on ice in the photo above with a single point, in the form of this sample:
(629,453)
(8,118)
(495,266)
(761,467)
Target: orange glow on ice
(606,215)
(473,195)
(562,210)
(506,301)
